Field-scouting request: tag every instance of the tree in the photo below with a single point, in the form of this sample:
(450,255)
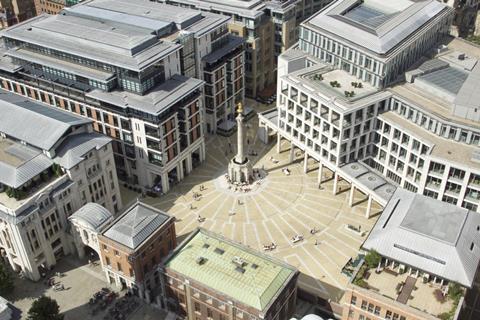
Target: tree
(372,259)
(44,308)
(6,280)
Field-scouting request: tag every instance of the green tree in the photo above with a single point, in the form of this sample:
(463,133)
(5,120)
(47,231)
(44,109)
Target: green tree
(372,259)
(44,308)
(6,280)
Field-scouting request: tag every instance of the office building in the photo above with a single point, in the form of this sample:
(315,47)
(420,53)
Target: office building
(127,66)
(466,13)
(51,163)
(15,11)
(420,133)
(429,254)
(53,6)
(133,246)
(268,27)
(210,277)
(374,40)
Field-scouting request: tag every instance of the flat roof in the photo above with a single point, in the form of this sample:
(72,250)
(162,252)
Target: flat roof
(157,100)
(232,44)
(124,46)
(430,235)
(163,19)
(36,124)
(231,269)
(376,25)
(249,8)
(441,148)
(316,79)
(136,225)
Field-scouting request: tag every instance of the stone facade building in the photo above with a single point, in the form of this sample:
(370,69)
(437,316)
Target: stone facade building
(51,163)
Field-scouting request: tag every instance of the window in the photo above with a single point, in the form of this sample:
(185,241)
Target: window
(364,305)
(119,266)
(209,313)
(107,261)
(354,300)
(116,253)
(197,307)
(388,315)
(370,307)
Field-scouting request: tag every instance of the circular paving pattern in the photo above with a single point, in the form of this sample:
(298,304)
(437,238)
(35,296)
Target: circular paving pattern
(280,208)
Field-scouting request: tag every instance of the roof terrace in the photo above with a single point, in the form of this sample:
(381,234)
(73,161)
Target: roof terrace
(404,287)
(336,85)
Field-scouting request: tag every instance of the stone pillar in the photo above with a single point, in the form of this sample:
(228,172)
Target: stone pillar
(279,143)
(335,182)
(202,152)
(352,193)
(165,183)
(369,207)
(180,170)
(240,157)
(305,163)
(320,174)
(189,163)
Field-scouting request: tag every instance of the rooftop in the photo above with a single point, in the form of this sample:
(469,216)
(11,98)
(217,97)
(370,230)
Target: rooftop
(442,148)
(376,25)
(157,100)
(232,44)
(108,42)
(448,85)
(92,215)
(34,123)
(430,235)
(72,151)
(247,8)
(136,225)
(231,269)
(153,17)
(333,85)
(403,289)
(19,163)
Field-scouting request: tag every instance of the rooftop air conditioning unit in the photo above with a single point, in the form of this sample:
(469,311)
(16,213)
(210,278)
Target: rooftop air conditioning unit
(238,261)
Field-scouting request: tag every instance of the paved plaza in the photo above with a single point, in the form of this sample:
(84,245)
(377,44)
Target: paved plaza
(81,281)
(280,207)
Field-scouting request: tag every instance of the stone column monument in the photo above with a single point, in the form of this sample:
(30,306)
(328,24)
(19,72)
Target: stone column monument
(240,168)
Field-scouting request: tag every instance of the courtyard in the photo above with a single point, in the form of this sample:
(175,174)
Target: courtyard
(80,281)
(283,205)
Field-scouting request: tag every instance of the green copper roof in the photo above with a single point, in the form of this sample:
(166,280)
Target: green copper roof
(254,284)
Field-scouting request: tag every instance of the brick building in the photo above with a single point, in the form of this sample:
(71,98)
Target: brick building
(133,246)
(210,277)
